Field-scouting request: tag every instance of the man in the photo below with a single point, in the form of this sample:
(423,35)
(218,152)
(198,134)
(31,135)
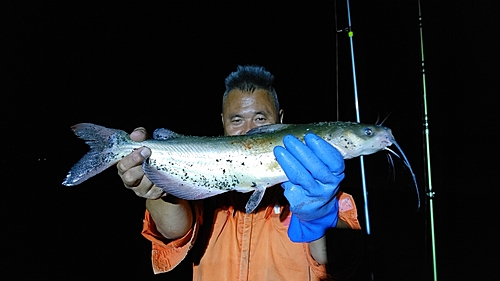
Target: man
(284,238)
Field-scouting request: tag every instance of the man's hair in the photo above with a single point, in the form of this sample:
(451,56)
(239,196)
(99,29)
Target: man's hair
(249,78)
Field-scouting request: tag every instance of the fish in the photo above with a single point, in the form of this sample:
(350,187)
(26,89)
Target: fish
(198,167)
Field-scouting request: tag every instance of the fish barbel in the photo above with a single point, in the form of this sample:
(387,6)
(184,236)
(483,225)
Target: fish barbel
(192,167)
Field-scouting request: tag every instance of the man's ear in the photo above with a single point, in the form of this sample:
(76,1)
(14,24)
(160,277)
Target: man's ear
(280,116)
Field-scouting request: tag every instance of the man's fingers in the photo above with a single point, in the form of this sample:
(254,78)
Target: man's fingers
(307,158)
(153,193)
(130,169)
(133,176)
(139,134)
(294,170)
(328,154)
(133,159)
(142,187)
(135,180)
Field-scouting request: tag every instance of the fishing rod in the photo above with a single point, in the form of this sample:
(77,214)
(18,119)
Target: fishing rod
(356,103)
(336,60)
(430,193)
(427,155)
(358,119)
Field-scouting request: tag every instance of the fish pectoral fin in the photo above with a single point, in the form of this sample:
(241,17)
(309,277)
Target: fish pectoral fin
(255,199)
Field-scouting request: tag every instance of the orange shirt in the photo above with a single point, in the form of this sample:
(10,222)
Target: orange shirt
(233,245)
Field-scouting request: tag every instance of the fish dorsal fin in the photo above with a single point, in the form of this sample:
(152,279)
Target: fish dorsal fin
(267,129)
(164,134)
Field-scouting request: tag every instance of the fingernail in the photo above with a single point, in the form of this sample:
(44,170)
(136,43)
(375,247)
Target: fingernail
(145,152)
(141,129)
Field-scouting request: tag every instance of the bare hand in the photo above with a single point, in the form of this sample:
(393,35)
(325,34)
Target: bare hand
(130,169)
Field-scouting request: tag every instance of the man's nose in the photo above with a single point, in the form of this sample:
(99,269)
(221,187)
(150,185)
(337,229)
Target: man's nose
(249,126)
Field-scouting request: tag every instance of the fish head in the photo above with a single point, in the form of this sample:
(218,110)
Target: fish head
(357,139)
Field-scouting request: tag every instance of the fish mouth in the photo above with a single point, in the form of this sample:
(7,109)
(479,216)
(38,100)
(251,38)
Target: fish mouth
(385,143)
(386,140)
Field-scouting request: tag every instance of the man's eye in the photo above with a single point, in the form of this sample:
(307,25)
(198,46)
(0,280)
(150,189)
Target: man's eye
(261,119)
(236,121)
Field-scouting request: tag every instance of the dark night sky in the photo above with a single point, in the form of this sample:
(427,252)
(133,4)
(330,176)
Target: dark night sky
(127,65)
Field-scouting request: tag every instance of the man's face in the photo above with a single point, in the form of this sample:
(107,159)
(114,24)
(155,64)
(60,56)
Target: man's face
(244,111)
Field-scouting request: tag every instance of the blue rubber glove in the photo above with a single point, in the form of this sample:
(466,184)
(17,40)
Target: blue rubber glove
(314,171)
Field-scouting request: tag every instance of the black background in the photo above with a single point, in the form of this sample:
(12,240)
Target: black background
(124,65)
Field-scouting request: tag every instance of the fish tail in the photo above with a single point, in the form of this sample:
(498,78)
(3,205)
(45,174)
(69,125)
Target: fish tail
(106,148)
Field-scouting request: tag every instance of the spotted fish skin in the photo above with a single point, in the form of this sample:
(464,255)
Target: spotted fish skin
(192,167)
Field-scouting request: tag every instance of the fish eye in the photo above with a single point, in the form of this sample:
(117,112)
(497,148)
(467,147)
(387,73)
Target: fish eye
(368,132)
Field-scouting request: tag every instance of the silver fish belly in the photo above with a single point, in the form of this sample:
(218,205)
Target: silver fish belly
(195,168)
